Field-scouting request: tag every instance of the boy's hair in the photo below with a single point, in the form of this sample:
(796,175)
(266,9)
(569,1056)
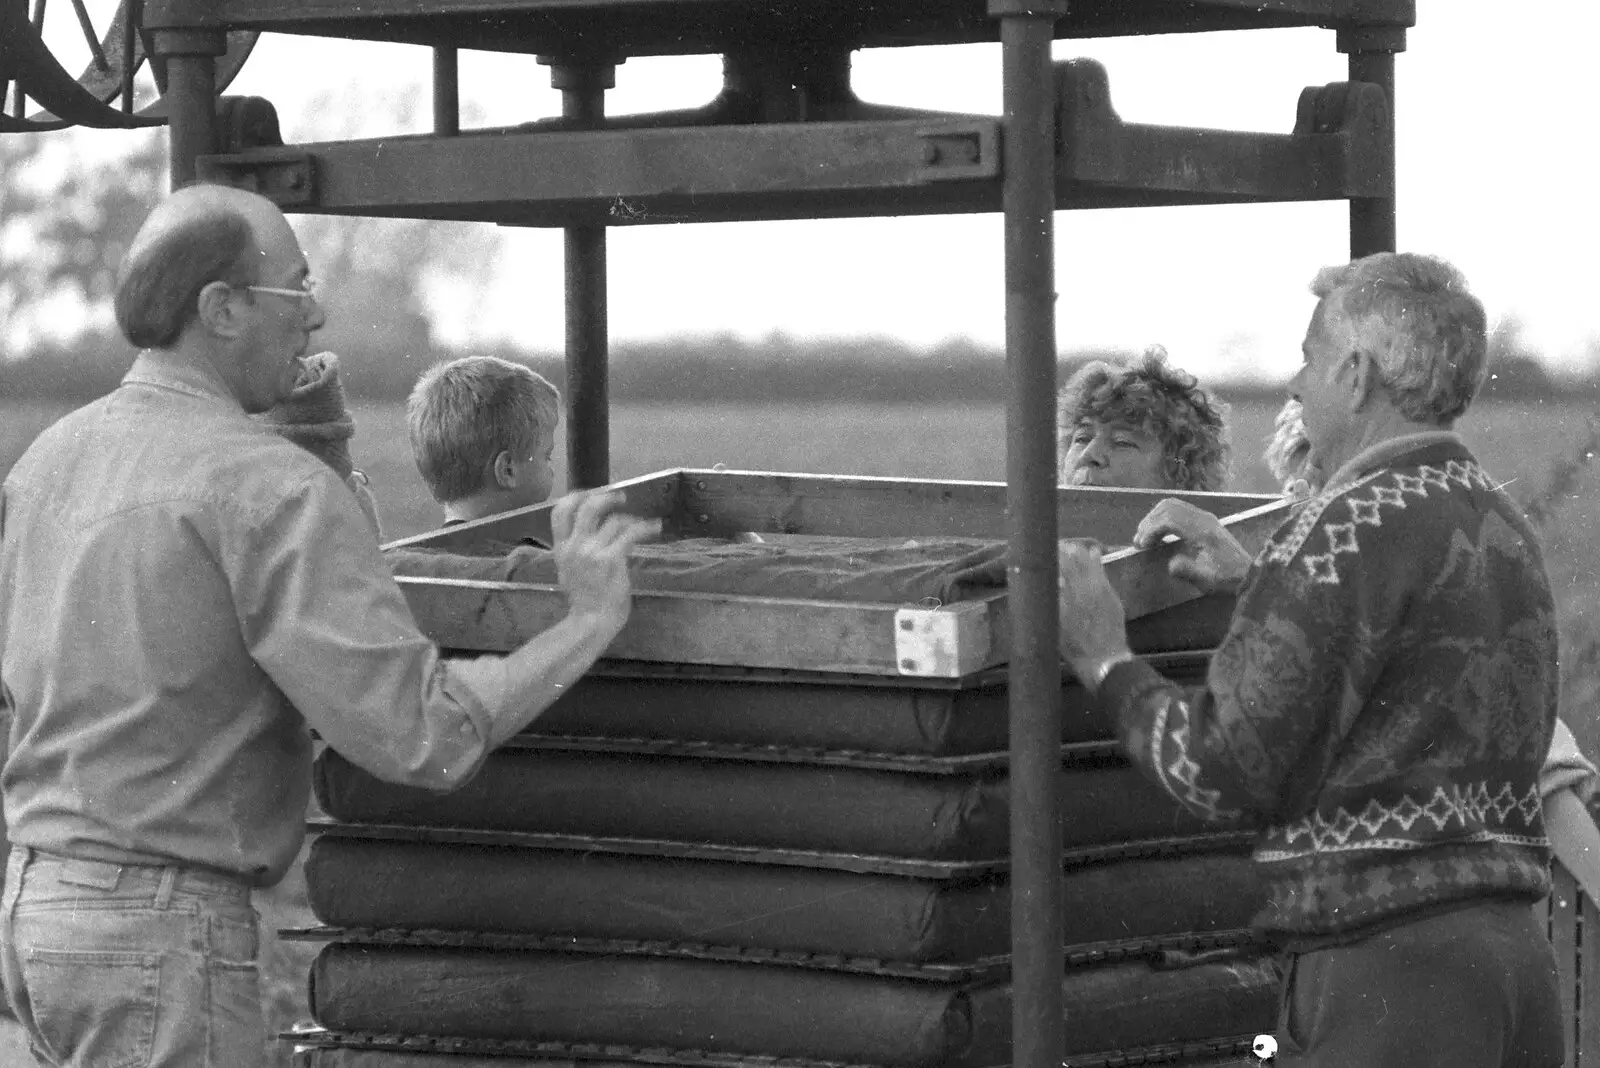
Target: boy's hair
(464,413)
(1160,399)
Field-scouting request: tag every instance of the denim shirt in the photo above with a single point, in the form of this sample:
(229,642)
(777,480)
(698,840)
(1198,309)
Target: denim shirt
(184,595)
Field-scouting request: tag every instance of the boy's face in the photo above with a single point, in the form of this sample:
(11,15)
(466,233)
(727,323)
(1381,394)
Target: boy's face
(1113,454)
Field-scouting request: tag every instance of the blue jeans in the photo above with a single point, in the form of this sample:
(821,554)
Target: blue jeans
(121,966)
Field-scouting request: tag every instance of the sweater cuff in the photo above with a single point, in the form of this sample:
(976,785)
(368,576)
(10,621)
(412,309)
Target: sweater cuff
(1126,681)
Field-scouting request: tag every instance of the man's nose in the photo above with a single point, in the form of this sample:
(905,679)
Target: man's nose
(315,317)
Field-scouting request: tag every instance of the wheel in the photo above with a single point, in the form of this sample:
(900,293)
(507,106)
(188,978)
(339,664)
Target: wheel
(37,92)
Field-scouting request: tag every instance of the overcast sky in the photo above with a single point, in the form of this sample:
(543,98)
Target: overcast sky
(1496,173)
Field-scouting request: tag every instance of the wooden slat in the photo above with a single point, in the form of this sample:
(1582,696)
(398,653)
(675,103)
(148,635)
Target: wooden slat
(717,503)
(705,503)
(654,496)
(1588,1023)
(1141,578)
(766,632)
(829,636)
(1564,912)
(703,628)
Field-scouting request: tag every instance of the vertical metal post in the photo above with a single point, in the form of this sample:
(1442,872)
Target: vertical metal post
(1027,28)
(583,87)
(191,96)
(446,92)
(1371,51)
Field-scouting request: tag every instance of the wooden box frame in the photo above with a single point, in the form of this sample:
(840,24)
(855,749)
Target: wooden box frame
(827,636)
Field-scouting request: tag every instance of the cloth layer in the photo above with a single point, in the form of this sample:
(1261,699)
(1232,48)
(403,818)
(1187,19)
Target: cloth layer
(354,882)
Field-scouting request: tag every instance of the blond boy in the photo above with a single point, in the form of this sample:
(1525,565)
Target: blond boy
(482,432)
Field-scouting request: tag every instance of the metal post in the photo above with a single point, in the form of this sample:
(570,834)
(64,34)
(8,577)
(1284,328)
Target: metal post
(446,92)
(191,96)
(583,87)
(1371,51)
(1027,28)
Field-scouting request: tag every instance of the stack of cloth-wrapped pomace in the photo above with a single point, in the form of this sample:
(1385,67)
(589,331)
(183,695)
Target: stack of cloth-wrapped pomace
(721,866)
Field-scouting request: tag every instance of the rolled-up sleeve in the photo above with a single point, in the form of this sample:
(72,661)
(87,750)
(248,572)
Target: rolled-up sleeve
(322,616)
(1566,768)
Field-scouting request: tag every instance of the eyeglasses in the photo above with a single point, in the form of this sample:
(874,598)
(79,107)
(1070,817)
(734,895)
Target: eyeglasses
(308,290)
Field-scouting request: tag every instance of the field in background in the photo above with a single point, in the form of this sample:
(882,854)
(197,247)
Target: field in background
(910,441)
(1517,443)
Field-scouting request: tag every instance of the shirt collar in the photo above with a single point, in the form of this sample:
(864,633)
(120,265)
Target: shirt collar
(1374,457)
(165,369)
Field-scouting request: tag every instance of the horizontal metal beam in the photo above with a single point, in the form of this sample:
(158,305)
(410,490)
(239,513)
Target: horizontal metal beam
(680,27)
(1338,148)
(620,177)
(825,169)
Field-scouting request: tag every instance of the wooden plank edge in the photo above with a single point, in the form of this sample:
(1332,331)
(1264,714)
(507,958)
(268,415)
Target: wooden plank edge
(653,496)
(725,629)
(1142,577)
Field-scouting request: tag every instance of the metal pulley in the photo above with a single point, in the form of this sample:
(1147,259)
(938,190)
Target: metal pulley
(38,93)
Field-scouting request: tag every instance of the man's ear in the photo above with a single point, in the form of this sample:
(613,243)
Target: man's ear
(505,472)
(217,312)
(1364,379)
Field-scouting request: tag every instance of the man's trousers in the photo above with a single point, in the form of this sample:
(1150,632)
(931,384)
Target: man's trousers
(106,964)
(1471,988)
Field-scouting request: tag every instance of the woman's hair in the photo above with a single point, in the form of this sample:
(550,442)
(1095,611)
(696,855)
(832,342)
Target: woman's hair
(1160,399)
(1288,454)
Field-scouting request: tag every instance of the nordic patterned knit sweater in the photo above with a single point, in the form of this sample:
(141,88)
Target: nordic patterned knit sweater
(1381,704)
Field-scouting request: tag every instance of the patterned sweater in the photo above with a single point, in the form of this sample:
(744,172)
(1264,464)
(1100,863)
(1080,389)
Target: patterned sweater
(1381,704)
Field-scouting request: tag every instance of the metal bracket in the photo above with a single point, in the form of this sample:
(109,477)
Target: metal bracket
(1371,39)
(942,642)
(288,179)
(959,151)
(246,122)
(1336,150)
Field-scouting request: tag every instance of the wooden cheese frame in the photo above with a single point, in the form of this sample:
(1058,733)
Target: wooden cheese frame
(826,636)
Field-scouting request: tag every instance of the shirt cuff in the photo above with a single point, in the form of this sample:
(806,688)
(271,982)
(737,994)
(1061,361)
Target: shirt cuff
(1097,674)
(480,689)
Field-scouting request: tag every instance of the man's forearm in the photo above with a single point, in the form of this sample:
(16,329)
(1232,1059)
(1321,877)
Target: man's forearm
(543,668)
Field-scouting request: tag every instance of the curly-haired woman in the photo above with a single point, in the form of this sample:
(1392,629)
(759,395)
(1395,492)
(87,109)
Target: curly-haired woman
(1147,425)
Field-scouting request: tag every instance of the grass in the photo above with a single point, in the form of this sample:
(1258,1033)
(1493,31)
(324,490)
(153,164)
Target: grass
(1539,450)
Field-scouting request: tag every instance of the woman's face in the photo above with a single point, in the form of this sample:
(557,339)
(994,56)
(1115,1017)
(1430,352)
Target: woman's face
(1113,454)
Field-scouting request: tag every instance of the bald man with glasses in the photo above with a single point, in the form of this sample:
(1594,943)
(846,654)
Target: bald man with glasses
(184,596)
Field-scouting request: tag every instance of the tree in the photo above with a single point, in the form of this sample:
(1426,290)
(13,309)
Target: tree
(382,276)
(66,218)
(71,202)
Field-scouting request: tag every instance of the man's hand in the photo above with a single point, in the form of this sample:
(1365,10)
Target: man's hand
(592,544)
(1206,556)
(1093,627)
